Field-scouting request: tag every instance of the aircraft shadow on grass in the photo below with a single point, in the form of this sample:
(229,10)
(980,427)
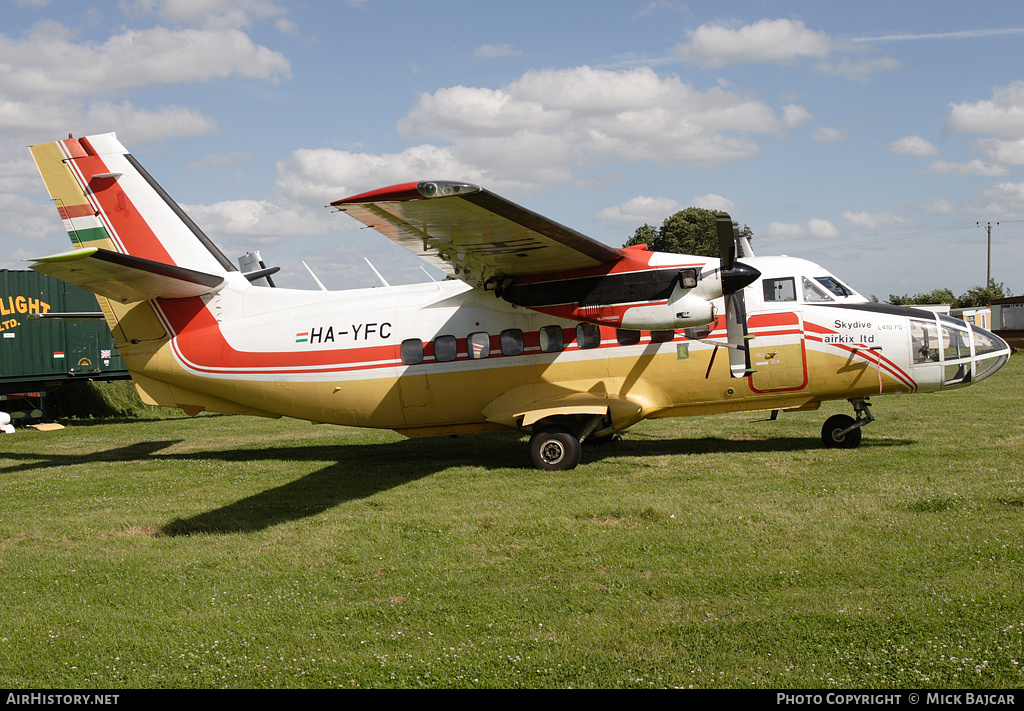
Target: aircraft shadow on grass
(358,471)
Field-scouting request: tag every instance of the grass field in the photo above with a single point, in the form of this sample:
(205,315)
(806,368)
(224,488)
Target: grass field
(725,551)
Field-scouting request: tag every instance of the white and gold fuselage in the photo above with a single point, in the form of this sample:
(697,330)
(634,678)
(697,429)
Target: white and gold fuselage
(543,330)
(373,357)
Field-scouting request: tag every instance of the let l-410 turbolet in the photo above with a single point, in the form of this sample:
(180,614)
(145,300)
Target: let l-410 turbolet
(542,329)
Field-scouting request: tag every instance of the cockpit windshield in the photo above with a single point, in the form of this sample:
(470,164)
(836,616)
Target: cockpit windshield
(812,293)
(834,285)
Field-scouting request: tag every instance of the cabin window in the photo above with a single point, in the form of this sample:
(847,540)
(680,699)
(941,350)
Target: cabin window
(626,337)
(588,335)
(551,339)
(412,351)
(779,289)
(445,348)
(812,293)
(478,345)
(511,342)
(662,336)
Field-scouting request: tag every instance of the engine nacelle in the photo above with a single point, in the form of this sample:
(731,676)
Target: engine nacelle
(687,312)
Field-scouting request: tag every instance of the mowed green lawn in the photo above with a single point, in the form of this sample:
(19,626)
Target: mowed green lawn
(725,551)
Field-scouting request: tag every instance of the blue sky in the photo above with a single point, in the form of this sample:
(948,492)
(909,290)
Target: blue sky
(870,137)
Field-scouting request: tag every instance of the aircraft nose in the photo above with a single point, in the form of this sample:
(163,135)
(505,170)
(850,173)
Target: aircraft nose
(990,352)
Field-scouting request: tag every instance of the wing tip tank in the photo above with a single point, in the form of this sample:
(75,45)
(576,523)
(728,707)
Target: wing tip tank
(420,190)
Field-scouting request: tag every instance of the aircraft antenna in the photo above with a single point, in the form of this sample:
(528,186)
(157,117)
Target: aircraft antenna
(382,279)
(318,282)
(431,277)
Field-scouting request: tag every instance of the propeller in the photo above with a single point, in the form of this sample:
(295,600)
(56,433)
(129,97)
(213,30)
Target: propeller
(735,276)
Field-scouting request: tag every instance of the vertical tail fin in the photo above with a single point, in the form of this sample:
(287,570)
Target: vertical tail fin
(107,200)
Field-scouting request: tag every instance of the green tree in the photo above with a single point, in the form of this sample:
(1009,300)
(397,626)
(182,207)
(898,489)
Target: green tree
(689,231)
(938,296)
(975,296)
(981,295)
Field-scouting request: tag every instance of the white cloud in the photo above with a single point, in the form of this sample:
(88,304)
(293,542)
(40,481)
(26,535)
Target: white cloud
(875,220)
(765,41)
(827,134)
(641,210)
(913,146)
(794,116)
(208,14)
(27,220)
(818,228)
(652,8)
(259,221)
(41,118)
(860,68)
(782,42)
(490,51)
(48,62)
(318,176)
(546,124)
(974,167)
(937,206)
(784,230)
(1001,117)
(654,211)
(140,125)
(1004,152)
(711,201)
(1005,199)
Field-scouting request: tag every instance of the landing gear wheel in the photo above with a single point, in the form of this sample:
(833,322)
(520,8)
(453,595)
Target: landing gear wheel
(555,449)
(836,424)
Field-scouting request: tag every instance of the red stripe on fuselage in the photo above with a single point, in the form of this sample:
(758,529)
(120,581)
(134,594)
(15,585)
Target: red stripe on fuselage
(202,346)
(815,332)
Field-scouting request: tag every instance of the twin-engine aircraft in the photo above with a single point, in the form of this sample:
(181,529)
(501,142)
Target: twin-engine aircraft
(541,329)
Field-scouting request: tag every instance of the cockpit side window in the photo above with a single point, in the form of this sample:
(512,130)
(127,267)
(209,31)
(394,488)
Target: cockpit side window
(783,289)
(812,293)
(925,341)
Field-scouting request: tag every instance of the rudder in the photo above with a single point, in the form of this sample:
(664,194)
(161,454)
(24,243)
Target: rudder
(106,199)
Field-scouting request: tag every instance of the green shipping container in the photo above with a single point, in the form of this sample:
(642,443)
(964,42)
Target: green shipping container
(41,354)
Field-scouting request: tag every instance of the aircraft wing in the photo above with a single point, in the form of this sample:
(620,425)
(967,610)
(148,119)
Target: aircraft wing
(472,233)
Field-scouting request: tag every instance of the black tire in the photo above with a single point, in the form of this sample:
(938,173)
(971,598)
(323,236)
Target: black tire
(836,424)
(555,449)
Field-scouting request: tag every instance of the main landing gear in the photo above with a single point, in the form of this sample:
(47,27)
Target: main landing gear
(843,431)
(556,447)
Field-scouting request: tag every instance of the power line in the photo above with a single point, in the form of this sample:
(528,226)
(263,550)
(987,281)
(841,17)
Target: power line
(900,237)
(894,238)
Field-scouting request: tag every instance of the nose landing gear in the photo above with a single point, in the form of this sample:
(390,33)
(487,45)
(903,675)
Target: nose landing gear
(843,431)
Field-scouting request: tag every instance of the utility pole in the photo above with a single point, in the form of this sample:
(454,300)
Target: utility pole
(988,271)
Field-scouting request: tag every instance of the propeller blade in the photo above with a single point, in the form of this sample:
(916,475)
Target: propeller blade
(736,334)
(727,234)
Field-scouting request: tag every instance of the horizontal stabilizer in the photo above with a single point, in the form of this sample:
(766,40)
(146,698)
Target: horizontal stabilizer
(126,278)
